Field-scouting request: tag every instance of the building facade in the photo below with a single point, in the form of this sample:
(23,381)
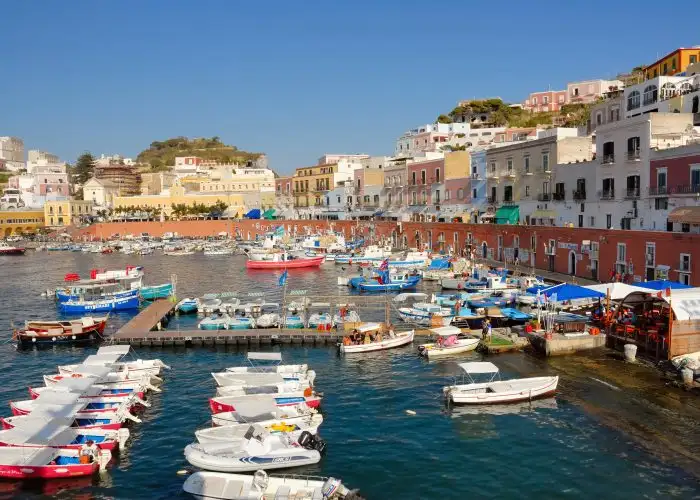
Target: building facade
(19,222)
(127,178)
(156,182)
(589,91)
(36,157)
(12,153)
(546,101)
(672,63)
(100,192)
(61,213)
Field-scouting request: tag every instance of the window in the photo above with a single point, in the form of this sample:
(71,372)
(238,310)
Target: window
(533,243)
(474,168)
(575,91)
(508,193)
(436,197)
(580,220)
(526,160)
(633,146)
(661,176)
(437,175)
(661,203)
(665,70)
(695,178)
(473,194)
(633,100)
(545,162)
(534,101)
(696,104)
(622,252)
(527,190)
(651,94)
(684,263)
(608,152)
(608,221)
(509,165)
(693,59)
(493,167)
(413,178)
(685,228)
(599,118)
(422,176)
(447,194)
(460,193)
(545,100)
(592,221)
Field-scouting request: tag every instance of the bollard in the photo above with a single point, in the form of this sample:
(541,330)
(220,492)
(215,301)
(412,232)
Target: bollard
(630,353)
(687,375)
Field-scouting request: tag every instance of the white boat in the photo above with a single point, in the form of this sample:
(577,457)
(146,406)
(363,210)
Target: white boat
(226,433)
(497,391)
(389,340)
(424,313)
(262,411)
(240,380)
(104,375)
(218,251)
(448,343)
(112,356)
(208,304)
(206,485)
(258,449)
(274,357)
(283,386)
(268,320)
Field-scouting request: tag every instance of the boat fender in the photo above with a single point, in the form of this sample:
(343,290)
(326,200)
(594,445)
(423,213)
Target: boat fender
(261,480)
(182,472)
(308,392)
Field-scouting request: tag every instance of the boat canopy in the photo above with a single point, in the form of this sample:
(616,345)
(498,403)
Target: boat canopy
(403,297)
(368,327)
(566,291)
(80,385)
(265,356)
(36,419)
(97,371)
(250,408)
(479,367)
(617,290)
(101,359)
(14,455)
(45,433)
(56,398)
(122,350)
(253,214)
(446,331)
(439,264)
(51,411)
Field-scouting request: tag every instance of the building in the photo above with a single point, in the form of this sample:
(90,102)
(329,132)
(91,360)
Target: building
(66,212)
(327,159)
(456,199)
(187,166)
(589,91)
(127,178)
(256,184)
(478,185)
(368,183)
(155,182)
(655,95)
(311,184)
(572,202)
(100,192)
(546,101)
(395,188)
(425,189)
(107,160)
(36,157)
(429,138)
(673,63)
(17,222)
(12,153)
(50,180)
(605,111)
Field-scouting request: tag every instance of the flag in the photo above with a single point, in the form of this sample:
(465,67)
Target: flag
(283,279)
(384,265)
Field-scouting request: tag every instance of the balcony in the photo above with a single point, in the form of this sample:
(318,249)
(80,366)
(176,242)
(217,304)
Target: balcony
(546,169)
(492,176)
(559,197)
(528,171)
(608,159)
(508,203)
(688,189)
(579,195)
(544,197)
(606,194)
(510,173)
(658,191)
(633,155)
(632,194)
(476,177)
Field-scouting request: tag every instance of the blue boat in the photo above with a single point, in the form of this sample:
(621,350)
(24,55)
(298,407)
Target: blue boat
(71,294)
(515,315)
(240,323)
(489,302)
(391,286)
(293,321)
(187,306)
(99,305)
(157,292)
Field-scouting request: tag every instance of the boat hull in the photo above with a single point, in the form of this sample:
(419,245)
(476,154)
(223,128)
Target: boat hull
(287,264)
(401,339)
(220,405)
(431,351)
(503,392)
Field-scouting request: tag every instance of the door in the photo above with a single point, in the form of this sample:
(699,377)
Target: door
(484,250)
(572,263)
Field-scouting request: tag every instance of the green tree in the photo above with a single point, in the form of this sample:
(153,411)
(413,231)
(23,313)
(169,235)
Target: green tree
(83,169)
(443,119)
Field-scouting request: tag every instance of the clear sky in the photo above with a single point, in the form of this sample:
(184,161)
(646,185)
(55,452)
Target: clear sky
(296,79)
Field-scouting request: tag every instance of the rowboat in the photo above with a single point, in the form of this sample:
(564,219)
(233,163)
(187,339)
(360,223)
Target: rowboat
(114,356)
(225,433)
(388,341)
(449,343)
(47,463)
(228,403)
(55,434)
(287,263)
(497,391)
(283,387)
(186,306)
(262,410)
(52,332)
(156,292)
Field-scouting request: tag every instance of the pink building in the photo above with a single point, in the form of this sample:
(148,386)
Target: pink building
(51,179)
(457,191)
(589,91)
(425,182)
(543,102)
(283,186)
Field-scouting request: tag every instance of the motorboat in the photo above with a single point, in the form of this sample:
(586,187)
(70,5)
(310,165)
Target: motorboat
(215,322)
(284,387)
(227,433)
(6,249)
(258,449)
(86,329)
(273,357)
(157,291)
(424,313)
(104,375)
(495,390)
(187,305)
(113,356)
(228,403)
(293,321)
(85,420)
(94,404)
(263,411)
(449,342)
(268,320)
(56,434)
(47,463)
(387,341)
(321,318)
(85,387)
(240,380)
(282,260)
(371,253)
(207,485)
(209,304)
(121,303)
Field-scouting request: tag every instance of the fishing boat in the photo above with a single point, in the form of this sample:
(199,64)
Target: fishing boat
(449,342)
(371,253)
(207,485)
(227,403)
(388,341)
(495,390)
(156,292)
(81,306)
(187,306)
(392,285)
(283,261)
(85,329)
(91,290)
(6,249)
(100,420)
(423,313)
(258,449)
(55,434)
(47,463)
(114,357)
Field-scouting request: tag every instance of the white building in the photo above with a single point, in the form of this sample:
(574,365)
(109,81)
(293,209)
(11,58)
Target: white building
(36,157)
(429,137)
(658,94)
(107,160)
(100,191)
(12,153)
(327,158)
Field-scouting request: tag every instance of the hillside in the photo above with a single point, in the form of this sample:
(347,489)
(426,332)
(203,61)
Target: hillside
(162,153)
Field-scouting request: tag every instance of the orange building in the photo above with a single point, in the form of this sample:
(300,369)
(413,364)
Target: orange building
(673,63)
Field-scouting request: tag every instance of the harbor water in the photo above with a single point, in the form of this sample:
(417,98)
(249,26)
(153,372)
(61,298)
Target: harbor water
(613,430)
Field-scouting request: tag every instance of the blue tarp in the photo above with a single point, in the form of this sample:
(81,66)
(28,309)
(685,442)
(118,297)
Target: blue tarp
(438,264)
(537,288)
(663,285)
(253,214)
(565,291)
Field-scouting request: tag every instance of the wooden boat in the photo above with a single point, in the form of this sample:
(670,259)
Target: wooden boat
(47,463)
(6,249)
(449,343)
(285,262)
(85,329)
(497,391)
(114,356)
(207,485)
(156,292)
(388,341)
(122,303)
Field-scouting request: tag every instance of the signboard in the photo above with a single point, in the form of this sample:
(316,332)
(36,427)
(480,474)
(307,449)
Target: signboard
(523,255)
(568,246)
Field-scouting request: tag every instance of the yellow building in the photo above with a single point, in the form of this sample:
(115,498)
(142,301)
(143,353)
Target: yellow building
(177,195)
(311,183)
(14,222)
(672,63)
(457,165)
(66,212)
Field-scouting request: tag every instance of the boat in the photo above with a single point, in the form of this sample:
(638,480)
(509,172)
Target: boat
(388,341)
(207,485)
(449,342)
(262,410)
(241,323)
(85,329)
(515,316)
(186,306)
(293,321)
(276,367)
(466,318)
(240,380)
(495,390)
(320,319)
(300,387)
(91,290)
(227,403)
(93,404)
(215,322)
(226,433)
(258,449)
(56,434)
(6,249)
(101,420)
(217,251)
(284,261)
(100,305)
(208,304)
(156,292)
(423,313)
(371,253)
(47,463)
(104,374)
(390,286)
(268,320)
(113,356)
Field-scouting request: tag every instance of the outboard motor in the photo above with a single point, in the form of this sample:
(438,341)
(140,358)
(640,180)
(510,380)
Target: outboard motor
(319,445)
(306,440)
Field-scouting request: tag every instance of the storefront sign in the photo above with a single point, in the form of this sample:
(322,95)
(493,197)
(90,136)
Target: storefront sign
(568,246)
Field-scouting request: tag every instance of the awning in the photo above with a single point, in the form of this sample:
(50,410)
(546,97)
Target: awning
(378,213)
(566,291)
(416,209)
(543,214)
(617,290)
(508,215)
(664,284)
(253,214)
(269,214)
(361,213)
(685,215)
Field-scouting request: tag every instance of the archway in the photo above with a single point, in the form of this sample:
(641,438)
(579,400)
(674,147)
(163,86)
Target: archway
(8,232)
(572,263)
(405,242)
(484,250)
(394,239)
(418,240)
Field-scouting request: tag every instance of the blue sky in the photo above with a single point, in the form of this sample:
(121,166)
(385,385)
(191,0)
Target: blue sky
(298,79)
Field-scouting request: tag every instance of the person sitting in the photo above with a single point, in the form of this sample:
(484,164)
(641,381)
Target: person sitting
(90,451)
(367,339)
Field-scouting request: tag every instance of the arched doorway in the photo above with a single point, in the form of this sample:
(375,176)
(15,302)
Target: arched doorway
(405,242)
(430,240)
(418,240)
(394,239)
(572,263)
(484,250)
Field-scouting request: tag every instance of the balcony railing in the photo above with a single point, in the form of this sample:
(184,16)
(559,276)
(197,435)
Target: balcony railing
(688,189)
(675,190)
(632,194)
(544,197)
(508,203)
(559,197)
(606,194)
(510,173)
(476,177)
(658,191)
(608,159)
(633,155)
(579,195)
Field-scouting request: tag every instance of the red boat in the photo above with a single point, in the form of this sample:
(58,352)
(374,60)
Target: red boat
(51,332)
(8,250)
(289,263)
(226,403)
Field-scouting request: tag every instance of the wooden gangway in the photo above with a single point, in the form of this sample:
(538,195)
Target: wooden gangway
(155,315)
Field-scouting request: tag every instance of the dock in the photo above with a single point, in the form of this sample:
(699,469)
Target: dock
(154,317)
(561,345)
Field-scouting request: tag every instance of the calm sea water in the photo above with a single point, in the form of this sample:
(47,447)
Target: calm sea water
(613,431)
